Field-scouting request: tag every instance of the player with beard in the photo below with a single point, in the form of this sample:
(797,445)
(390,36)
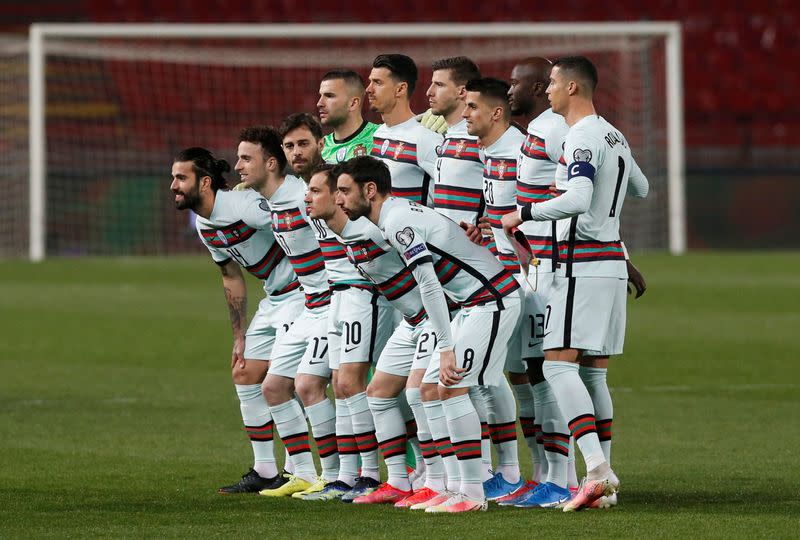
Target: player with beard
(341,96)
(238,234)
(302,143)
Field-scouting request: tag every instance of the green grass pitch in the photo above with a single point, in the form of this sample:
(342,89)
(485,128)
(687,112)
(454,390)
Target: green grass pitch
(118,417)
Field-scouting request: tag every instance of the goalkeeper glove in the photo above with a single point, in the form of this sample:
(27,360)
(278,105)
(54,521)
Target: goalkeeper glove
(433,122)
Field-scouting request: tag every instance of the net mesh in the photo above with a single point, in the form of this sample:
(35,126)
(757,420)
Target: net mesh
(119,109)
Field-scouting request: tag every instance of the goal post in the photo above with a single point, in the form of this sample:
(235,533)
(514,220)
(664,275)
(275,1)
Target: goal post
(84,76)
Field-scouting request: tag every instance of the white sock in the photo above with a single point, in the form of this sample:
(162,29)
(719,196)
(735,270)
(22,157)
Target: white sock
(293,430)
(479,397)
(503,430)
(391,433)
(259,427)
(437,423)
(596,383)
(364,429)
(576,406)
(465,429)
(346,444)
(434,468)
(322,417)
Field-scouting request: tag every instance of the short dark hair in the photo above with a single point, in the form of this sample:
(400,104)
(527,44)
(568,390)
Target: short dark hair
(402,67)
(328,169)
(301,119)
(205,164)
(461,68)
(489,87)
(580,66)
(365,169)
(270,141)
(349,76)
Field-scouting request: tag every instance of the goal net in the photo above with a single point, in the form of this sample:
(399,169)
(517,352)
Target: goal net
(120,100)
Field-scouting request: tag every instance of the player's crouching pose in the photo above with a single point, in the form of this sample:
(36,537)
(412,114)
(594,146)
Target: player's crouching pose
(300,357)
(237,232)
(590,288)
(377,261)
(473,349)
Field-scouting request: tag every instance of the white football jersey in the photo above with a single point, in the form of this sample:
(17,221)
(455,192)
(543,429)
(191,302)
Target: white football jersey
(239,228)
(540,164)
(409,150)
(369,251)
(292,229)
(458,189)
(500,189)
(468,273)
(340,271)
(597,151)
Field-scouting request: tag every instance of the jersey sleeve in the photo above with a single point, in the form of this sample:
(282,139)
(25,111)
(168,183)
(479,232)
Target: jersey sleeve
(404,233)
(426,152)
(219,256)
(254,210)
(434,302)
(638,186)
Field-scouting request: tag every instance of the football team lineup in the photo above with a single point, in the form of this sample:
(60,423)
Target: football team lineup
(474,264)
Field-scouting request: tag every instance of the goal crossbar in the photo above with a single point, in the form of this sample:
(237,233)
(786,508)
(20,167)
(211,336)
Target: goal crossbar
(670,31)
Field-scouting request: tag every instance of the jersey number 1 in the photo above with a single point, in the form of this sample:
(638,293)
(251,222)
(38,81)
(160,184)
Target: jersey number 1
(620,176)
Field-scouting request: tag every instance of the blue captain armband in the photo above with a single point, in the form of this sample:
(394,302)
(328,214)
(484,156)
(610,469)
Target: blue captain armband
(581,168)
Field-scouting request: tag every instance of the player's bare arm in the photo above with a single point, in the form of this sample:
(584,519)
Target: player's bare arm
(236,297)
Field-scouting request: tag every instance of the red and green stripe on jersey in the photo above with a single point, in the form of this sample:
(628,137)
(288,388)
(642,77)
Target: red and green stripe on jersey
(401,151)
(500,169)
(458,148)
(457,198)
(530,193)
(263,268)
(499,286)
(411,193)
(446,270)
(332,249)
(362,251)
(535,147)
(588,251)
(308,263)
(541,246)
(397,285)
(288,220)
(416,319)
(229,236)
(317,300)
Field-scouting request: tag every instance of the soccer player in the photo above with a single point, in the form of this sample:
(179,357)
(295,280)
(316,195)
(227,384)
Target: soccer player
(487,115)
(377,261)
(300,356)
(359,323)
(407,148)
(341,96)
(233,228)
(458,187)
(302,143)
(442,258)
(588,297)
(540,167)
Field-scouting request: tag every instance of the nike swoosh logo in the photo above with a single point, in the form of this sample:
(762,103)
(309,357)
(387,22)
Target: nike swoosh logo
(534,344)
(310,363)
(350,349)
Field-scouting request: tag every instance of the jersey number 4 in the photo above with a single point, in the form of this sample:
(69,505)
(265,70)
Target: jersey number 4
(620,176)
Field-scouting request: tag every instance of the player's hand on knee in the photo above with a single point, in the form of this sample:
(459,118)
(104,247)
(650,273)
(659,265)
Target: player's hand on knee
(433,122)
(237,355)
(636,279)
(449,372)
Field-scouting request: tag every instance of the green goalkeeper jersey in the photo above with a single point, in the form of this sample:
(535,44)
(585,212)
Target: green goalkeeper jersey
(357,144)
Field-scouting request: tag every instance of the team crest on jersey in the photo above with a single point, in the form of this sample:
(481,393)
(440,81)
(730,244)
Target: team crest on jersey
(460,146)
(359,150)
(582,155)
(398,149)
(222,237)
(405,237)
(384,146)
(501,168)
(287,219)
(264,205)
(341,153)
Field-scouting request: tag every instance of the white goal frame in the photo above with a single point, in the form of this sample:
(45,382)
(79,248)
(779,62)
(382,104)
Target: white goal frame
(670,31)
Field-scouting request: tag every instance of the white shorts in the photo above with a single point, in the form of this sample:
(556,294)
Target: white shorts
(587,313)
(359,323)
(304,348)
(274,317)
(408,348)
(530,332)
(482,335)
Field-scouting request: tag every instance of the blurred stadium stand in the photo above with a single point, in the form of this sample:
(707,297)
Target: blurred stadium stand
(741,84)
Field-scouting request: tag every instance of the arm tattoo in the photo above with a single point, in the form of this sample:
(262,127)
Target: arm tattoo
(237,306)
